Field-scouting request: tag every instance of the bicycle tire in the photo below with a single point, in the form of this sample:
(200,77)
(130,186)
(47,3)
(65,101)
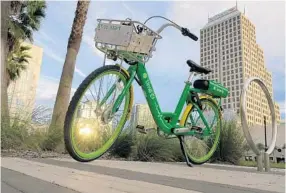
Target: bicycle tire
(74,104)
(187,112)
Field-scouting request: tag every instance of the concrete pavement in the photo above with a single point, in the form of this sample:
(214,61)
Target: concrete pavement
(15,182)
(138,177)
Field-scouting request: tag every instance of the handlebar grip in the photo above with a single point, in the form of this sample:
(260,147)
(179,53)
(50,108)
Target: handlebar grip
(186,32)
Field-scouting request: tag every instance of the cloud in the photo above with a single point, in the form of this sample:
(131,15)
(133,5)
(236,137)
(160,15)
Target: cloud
(38,42)
(102,9)
(51,54)
(167,66)
(270,27)
(128,8)
(48,52)
(282,106)
(46,37)
(47,88)
(80,72)
(88,39)
(267,17)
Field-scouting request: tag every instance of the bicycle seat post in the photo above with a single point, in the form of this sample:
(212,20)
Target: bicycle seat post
(191,76)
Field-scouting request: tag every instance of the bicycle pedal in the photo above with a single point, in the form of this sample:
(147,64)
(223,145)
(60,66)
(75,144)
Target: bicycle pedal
(196,128)
(142,129)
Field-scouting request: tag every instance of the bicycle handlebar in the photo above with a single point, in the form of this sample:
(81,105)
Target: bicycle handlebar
(167,25)
(185,31)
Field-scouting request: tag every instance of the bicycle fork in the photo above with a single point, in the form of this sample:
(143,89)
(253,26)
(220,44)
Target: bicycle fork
(120,97)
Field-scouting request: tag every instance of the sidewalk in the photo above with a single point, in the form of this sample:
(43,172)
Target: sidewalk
(123,176)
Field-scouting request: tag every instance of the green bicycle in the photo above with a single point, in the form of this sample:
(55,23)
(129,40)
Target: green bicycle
(102,104)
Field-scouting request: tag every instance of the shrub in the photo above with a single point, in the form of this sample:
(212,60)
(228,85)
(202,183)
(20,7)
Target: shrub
(260,146)
(27,130)
(13,137)
(123,145)
(151,147)
(52,140)
(232,143)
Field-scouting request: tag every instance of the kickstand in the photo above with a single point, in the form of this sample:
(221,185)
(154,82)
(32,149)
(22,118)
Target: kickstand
(184,152)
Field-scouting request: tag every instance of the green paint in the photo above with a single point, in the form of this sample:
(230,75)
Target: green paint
(108,94)
(123,93)
(181,103)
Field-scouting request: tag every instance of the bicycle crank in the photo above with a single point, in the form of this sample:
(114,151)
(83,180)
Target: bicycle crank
(187,129)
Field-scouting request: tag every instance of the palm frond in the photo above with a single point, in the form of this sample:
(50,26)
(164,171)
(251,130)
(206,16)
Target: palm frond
(24,19)
(25,48)
(17,60)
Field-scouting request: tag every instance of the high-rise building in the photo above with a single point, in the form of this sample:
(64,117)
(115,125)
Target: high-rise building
(228,47)
(22,92)
(141,115)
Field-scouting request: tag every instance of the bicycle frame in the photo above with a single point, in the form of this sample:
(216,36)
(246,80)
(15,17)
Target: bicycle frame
(147,88)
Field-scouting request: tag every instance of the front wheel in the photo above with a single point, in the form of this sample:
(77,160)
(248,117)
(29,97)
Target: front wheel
(200,147)
(92,125)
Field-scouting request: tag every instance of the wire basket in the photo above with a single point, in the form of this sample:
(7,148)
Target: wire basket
(125,39)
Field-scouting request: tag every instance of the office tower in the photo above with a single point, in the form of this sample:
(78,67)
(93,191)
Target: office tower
(228,47)
(141,115)
(22,92)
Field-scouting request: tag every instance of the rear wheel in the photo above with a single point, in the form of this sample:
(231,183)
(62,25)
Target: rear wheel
(200,147)
(90,126)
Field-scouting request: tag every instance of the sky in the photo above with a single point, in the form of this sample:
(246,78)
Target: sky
(167,68)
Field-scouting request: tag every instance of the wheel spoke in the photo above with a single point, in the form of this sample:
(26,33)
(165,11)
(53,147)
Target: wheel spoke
(201,146)
(94,129)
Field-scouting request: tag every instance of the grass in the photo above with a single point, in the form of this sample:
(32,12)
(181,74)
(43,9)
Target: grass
(27,131)
(231,145)
(23,134)
(254,164)
(151,147)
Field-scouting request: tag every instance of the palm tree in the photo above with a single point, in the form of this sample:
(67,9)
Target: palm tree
(25,18)
(19,19)
(17,61)
(64,90)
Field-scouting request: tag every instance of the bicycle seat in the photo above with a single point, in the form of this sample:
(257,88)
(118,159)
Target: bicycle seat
(196,68)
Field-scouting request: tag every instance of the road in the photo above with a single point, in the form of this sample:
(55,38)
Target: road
(63,175)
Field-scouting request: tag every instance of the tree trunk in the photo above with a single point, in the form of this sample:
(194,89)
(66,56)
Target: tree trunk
(5,7)
(64,90)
